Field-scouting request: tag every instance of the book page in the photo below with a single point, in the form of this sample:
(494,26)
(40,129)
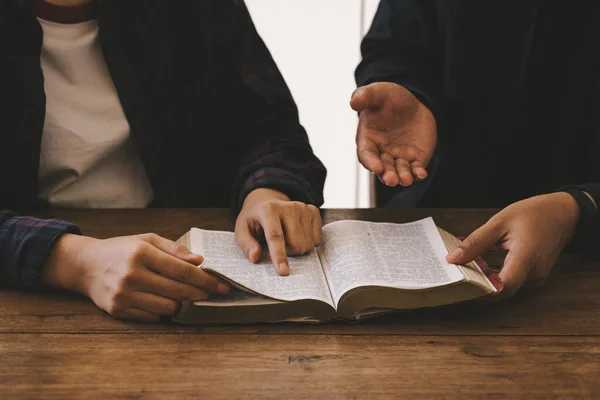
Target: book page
(408,256)
(236,298)
(222,254)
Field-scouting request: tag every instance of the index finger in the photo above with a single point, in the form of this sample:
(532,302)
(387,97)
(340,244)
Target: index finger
(273,230)
(477,243)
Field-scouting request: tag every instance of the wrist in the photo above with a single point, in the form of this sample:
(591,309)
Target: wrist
(568,209)
(588,220)
(63,267)
(263,194)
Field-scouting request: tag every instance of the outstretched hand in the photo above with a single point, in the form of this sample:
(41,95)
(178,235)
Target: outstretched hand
(396,134)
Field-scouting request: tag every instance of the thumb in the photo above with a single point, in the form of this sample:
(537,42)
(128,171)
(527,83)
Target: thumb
(173,248)
(247,242)
(370,97)
(476,243)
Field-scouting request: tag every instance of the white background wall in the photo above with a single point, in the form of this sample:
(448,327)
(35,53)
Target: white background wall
(316,44)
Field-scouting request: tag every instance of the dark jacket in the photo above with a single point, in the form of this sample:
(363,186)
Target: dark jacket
(514,86)
(206,104)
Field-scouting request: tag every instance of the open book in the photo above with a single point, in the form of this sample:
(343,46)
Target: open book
(361,269)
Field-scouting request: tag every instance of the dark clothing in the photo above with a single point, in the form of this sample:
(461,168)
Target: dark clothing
(207,106)
(514,86)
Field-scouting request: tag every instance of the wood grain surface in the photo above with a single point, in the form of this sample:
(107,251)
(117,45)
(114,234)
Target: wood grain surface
(542,344)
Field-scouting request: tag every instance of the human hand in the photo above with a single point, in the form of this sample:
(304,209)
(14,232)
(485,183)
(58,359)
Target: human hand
(289,227)
(396,134)
(534,231)
(135,277)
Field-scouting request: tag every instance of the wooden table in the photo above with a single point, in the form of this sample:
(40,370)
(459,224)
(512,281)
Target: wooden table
(543,344)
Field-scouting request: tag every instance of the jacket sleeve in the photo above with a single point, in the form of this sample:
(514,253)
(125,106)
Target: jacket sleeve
(24,245)
(402,47)
(278,153)
(587,234)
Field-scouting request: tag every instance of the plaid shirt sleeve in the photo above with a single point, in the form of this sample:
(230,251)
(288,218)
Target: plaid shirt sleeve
(24,245)
(278,154)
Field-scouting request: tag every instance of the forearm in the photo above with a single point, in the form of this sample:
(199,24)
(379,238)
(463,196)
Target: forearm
(276,147)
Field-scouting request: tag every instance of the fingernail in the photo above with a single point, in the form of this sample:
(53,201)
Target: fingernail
(456,253)
(200,259)
(283,267)
(223,288)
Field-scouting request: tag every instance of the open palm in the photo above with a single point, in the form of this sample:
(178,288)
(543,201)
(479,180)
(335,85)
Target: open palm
(396,134)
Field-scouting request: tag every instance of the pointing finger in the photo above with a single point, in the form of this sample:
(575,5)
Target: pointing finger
(476,243)
(273,230)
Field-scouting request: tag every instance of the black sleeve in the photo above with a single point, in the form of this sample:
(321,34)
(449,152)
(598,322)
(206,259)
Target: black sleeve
(402,47)
(587,234)
(277,151)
